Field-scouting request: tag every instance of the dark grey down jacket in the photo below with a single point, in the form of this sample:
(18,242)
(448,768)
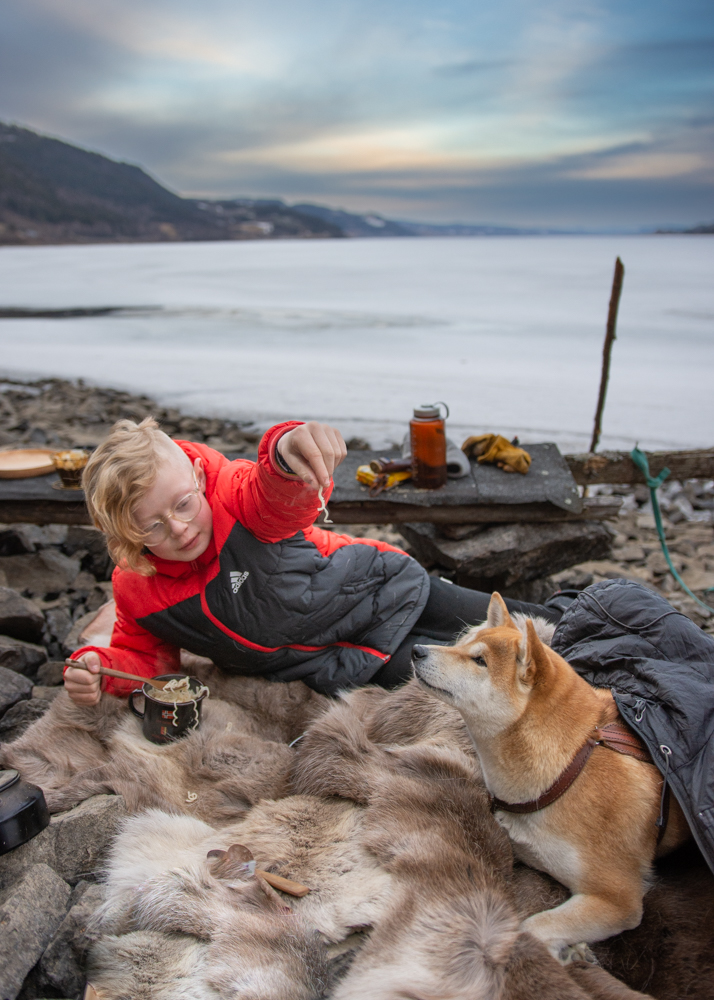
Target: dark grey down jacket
(660,668)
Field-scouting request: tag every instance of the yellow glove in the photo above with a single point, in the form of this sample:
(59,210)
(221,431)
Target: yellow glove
(495,448)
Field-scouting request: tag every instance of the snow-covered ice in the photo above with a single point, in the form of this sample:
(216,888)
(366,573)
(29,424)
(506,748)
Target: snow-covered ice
(508,331)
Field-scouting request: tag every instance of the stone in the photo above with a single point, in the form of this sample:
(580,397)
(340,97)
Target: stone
(84,834)
(698,579)
(571,579)
(629,553)
(84,582)
(14,540)
(74,844)
(90,546)
(63,962)
(14,688)
(41,573)
(19,617)
(16,720)
(507,554)
(93,629)
(31,911)
(22,657)
(51,674)
(59,622)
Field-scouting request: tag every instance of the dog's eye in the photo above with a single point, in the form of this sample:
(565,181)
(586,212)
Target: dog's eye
(480,660)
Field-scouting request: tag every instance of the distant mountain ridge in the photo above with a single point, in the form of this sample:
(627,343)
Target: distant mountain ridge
(53,192)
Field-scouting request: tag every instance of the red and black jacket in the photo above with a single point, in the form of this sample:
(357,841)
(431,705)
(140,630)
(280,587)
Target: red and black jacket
(273,595)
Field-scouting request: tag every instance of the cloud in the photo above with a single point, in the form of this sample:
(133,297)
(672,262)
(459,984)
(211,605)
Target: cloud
(444,111)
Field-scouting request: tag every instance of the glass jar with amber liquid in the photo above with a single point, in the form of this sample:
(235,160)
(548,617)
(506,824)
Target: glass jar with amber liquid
(428,443)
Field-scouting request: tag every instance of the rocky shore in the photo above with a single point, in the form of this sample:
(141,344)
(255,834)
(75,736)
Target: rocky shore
(55,578)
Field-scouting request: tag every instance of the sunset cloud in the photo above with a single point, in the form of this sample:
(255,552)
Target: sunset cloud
(532,111)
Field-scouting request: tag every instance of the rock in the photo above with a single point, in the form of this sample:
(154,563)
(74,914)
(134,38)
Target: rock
(59,622)
(46,572)
(92,629)
(22,657)
(629,553)
(507,554)
(31,910)
(84,834)
(51,674)
(698,579)
(90,546)
(62,964)
(84,582)
(457,532)
(568,579)
(74,844)
(16,720)
(14,540)
(532,592)
(14,688)
(19,617)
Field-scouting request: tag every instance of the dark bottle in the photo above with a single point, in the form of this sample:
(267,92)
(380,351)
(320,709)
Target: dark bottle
(428,441)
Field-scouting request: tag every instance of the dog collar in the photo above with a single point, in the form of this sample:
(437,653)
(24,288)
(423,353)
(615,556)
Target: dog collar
(615,736)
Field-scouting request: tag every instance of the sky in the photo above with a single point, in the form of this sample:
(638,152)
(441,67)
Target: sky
(566,113)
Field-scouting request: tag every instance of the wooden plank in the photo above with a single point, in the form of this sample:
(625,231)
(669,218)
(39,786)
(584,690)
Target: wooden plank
(618,467)
(43,512)
(380,512)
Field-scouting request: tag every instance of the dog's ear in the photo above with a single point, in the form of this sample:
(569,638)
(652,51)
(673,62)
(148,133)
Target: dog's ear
(498,615)
(532,656)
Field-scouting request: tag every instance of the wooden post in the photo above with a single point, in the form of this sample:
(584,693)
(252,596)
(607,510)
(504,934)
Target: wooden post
(607,349)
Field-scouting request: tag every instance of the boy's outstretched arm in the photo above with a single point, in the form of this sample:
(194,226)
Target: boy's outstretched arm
(133,650)
(275,502)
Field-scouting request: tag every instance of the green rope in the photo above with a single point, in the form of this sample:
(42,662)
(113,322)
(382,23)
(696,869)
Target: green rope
(640,460)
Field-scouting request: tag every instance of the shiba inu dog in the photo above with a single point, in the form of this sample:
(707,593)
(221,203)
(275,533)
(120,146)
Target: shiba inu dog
(571,806)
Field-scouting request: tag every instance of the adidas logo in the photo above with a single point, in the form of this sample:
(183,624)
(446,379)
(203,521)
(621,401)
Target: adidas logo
(237,580)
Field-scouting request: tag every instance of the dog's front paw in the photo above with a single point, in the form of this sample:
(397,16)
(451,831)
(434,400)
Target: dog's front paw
(576,953)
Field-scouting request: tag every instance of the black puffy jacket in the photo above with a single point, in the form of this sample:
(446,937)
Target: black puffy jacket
(660,668)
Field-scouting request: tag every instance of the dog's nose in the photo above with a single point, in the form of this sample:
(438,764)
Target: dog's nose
(419,652)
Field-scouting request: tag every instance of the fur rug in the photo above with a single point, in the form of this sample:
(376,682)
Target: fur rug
(239,755)
(381,810)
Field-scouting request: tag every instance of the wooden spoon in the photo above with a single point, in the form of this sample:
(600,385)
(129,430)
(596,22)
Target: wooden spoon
(108,672)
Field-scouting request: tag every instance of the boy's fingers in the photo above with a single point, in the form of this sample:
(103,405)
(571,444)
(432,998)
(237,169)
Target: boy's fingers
(309,462)
(321,454)
(338,446)
(85,665)
(298,464)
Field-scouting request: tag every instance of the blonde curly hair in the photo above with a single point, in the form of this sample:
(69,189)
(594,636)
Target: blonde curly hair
(116,477)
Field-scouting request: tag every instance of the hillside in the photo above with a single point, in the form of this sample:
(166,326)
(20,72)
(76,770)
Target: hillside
(53,192)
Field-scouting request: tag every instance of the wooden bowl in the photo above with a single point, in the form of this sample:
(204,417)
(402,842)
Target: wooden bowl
(22,463)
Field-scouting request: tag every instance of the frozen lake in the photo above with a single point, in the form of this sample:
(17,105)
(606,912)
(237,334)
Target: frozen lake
(508,331)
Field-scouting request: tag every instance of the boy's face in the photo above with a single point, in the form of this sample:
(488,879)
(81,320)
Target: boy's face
(186,540)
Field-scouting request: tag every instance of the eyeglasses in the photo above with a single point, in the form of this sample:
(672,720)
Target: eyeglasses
(185,510)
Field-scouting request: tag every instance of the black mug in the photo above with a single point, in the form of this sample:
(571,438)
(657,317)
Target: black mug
(165,721)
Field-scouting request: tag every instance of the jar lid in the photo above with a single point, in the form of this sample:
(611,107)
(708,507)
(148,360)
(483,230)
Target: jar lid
(427,411)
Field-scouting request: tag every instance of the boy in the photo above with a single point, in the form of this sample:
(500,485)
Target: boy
(223,559)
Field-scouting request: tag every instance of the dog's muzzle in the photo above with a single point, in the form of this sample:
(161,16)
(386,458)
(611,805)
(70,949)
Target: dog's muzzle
(419,652)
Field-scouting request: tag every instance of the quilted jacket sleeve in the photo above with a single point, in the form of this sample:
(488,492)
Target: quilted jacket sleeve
(132,649)
(270,504)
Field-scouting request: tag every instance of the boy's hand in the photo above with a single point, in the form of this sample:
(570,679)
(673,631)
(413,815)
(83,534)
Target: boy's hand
(313,451)
(84,686)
